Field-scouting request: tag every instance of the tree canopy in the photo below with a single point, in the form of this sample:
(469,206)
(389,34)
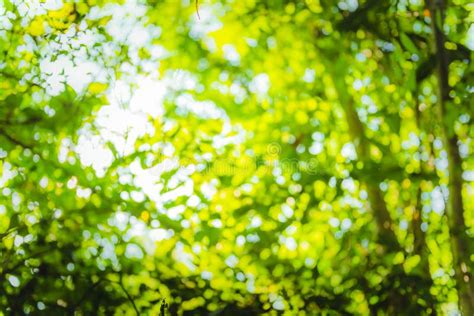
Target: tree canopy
(236,157)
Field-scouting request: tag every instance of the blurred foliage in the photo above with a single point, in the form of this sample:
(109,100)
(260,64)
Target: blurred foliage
(296,166)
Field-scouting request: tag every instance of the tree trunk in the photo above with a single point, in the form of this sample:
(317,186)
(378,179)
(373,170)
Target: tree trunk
(385,234)
(419,239)
(455,208)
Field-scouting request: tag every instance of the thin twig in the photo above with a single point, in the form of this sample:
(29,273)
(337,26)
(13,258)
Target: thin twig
(197,9)
(14,140)
(128,295)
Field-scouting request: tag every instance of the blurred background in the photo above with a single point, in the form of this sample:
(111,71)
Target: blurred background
(236,157)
